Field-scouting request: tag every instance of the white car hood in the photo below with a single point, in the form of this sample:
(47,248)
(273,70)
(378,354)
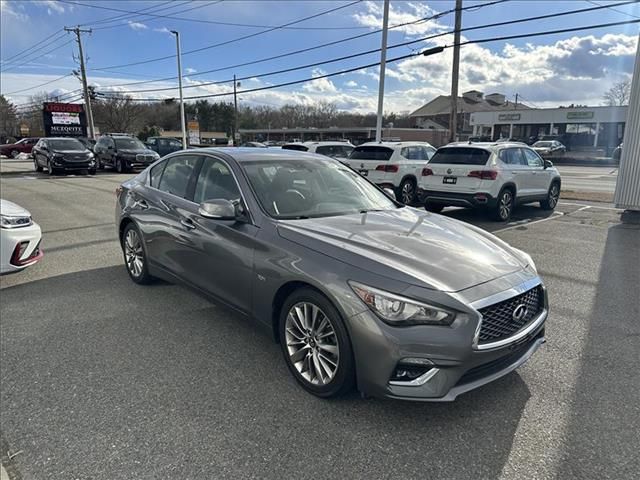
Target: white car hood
(12,210)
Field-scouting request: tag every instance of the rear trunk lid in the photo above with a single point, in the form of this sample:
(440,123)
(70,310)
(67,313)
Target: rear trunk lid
(457,169)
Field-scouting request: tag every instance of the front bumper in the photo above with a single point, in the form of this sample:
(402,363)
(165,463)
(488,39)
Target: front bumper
(479,199)
(11,239)
(457,364)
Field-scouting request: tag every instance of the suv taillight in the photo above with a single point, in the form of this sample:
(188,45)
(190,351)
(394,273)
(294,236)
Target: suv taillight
(388,168)
(426,172)
(484,174)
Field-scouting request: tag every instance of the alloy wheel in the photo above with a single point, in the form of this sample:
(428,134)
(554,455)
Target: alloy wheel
(133,253)
(506,200)
(408,192)
(554,194)
(312,343)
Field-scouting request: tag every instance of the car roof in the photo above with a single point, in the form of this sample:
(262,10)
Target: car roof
(329,142)
(60,138)
(251,154)
(491,146)
(395,144)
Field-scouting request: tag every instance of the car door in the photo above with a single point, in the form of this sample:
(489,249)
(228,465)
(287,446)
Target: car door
(517,170)
(223,249)
(541,177)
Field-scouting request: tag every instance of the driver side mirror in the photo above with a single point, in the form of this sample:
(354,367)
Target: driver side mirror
(390,193)
(548,164)
(219,209)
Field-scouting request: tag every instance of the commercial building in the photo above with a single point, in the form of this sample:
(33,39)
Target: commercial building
(580,128)
(437,112)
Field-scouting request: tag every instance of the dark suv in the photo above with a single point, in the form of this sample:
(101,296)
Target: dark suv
(163,145)
(123,152)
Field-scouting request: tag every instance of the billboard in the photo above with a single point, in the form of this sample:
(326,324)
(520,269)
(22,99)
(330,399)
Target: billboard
(64,120)
(193,128)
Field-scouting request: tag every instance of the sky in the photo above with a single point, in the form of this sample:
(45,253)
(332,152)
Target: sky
(545,71)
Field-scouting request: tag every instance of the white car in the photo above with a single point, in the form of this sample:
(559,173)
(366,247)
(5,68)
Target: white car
(338,150)
(395,165)
(19,238)
(495,176)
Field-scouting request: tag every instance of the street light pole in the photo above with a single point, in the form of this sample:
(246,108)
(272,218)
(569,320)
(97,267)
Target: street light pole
(182,119)
(235,110)
(383,65)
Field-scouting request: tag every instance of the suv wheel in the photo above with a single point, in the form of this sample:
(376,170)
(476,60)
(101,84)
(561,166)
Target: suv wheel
(315,344)
(119,166)
(134,256)
(433,207)
(504,206)
(552,197)
(50,168)
(408,191)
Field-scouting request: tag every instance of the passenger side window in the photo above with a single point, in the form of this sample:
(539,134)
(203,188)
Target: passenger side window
(533,160)
(406,153)
(176,175)
(512,156)
(151,141)
(215,181)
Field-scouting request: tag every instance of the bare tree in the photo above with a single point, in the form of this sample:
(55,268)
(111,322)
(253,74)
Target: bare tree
(618,94)
(117,114)
(8,119)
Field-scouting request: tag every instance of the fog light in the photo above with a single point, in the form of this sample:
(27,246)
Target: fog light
(18,252)
(411,368)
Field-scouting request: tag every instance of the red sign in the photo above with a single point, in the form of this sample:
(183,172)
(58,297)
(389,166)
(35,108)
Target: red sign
(63,107)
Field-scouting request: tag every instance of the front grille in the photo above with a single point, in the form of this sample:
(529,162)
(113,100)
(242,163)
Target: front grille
(499,321)
(144,158)
(77,158)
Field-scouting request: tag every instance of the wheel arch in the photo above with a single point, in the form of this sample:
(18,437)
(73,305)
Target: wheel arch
(511,186)
(123,224)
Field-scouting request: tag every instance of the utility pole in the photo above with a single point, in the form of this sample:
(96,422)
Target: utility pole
(453,122)
(182,119)
(235,110)
(83,73)
(516,107)
(383,66)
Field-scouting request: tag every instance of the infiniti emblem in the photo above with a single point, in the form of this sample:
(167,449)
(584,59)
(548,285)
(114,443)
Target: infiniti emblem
(449,170)
(519,312)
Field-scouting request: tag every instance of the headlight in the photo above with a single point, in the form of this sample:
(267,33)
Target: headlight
(155,155)
(397,310)
(7,221)
(90,155)
(527,258)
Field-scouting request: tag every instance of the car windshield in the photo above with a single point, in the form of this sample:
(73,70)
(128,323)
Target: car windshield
(66,144)
(129,144)
(302,188)
(543,144)
(461,156)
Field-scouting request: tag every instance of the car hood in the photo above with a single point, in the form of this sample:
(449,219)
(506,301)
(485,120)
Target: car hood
(414,247)
(136,151)
(72,152)
(12,210)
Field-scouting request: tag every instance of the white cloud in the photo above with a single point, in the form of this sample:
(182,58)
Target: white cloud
(373,18)
(53,6)
(351,84)
(190,70)
(163,30)
(137,25)
(321,85)
(8,9)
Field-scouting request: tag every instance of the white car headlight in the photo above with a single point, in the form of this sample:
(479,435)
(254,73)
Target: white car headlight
(397,310)
(527,258)
(9,221)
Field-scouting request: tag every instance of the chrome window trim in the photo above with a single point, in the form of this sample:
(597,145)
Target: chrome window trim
(500,297)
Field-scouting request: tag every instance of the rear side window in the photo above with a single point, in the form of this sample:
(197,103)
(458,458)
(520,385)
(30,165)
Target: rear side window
(299,148)
(177,174)
(371,153)
(512,156)
(461,156)
(155,173)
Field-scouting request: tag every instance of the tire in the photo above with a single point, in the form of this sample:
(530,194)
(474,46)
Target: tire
(504,206)
(119,166)
(37,167)
(14,153)
(135,258)
(433,207)
(320,358)
(92,171)
(50,169)
(100,165)
(553,195)
(407,191)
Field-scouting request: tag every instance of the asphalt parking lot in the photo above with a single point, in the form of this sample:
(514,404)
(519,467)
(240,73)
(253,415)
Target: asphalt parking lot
(104,379)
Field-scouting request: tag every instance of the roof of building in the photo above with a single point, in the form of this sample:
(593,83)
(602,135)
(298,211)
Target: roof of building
(442,105)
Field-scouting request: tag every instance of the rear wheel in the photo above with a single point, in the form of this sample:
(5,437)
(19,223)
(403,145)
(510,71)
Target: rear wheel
(316,345)
(504,206)
(552,197)
(134,256)
(433,207)
(408,191)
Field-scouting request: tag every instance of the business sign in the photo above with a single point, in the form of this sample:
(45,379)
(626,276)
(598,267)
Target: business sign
(193,127)
(505,117)
(579,115)
(24,129)
(64,120)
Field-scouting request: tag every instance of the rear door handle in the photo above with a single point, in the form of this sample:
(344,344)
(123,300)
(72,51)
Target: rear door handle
(142,204)
(188,224)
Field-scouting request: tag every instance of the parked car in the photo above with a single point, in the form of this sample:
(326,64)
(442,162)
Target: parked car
(123,152)
(88,143)
(339,150)
(549,148)
(357,288)
(253,145)
(19,238)
(62,154)
(163,145)
(22,146)
(617,153)
(395,165)
(497,177)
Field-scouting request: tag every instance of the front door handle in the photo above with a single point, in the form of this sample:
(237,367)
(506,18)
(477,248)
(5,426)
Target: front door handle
(188,224)
(142,204)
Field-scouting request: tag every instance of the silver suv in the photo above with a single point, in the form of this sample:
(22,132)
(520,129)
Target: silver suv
(493,176)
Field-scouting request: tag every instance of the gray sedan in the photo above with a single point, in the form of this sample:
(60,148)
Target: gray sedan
(359,290)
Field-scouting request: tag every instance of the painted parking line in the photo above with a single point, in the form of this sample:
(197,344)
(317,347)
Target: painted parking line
(520,223)
(591,206)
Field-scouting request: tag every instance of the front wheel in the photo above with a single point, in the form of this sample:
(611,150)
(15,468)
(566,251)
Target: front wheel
(135,258)
(552,197)
(14,153)
(504,206)
(119,166)
(50,168)
(316,345)
(408,191)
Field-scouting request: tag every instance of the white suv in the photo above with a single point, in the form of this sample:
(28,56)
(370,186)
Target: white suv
(338,150)
(395,165)
(497,176)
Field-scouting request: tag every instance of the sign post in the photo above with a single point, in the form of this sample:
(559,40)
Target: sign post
(194,132)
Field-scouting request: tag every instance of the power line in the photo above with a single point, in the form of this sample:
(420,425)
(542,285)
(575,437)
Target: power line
(403,57)
(368,52)
(38,86)
(213,22)
(36,58)
(32,46)
(611,7)
(147,19)
(245,37)
(316,47)
(116,18)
